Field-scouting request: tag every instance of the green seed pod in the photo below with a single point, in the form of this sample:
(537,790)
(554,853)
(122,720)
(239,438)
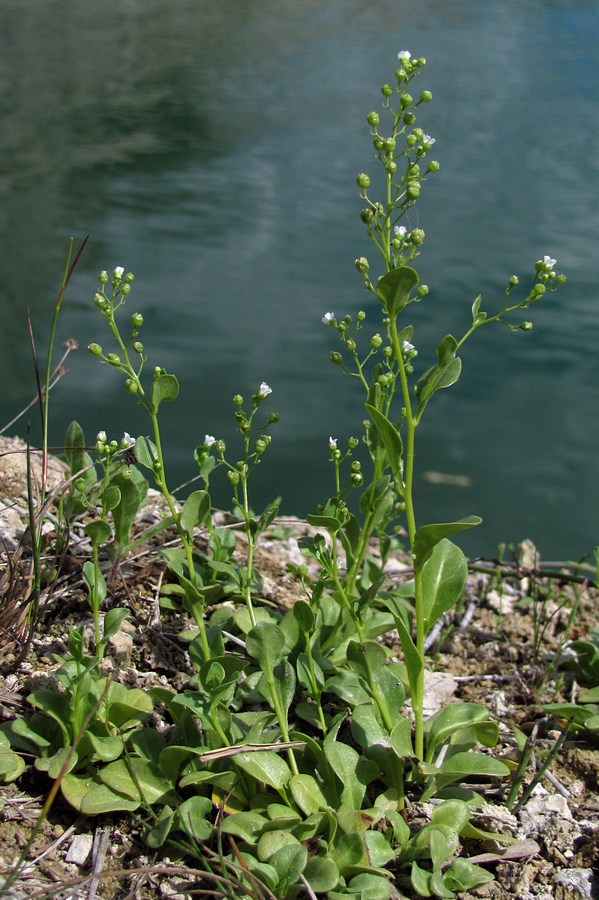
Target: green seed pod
(413,190)
(114,359)
(417,234)
(103,277)
(336,358)
(514,280)
(233,477)
(386,90)
(526,326)
(363,181)
(422,290)
(411,140)
(426,97)
(560,279)
(352,443)
(273,418)
(126,288)
(409,118)
(238,400)
(405,100)
(391,166)
(413,171)
(220,447)
(433,166)
(362,265)
(376,341)
(99,300)
(389,144)
(360,315)
(373,119)
(260,446)
(356,465)
(356,479)
(137,320)
(350,344)
(418,134)
(378,144)
(367,215)
(95,349)
(138,347)
(129,277)
(131,386)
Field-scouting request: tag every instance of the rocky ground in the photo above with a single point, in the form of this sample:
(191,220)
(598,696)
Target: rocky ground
(499,650)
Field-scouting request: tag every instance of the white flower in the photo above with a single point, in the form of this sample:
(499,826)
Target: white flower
(332,443)
(101,437)
(406,346)
(404,55)
(427,139)
(127,441)
(264,390)
(209,440)
(328,318)
(118,272)
(548,262)
(400,231)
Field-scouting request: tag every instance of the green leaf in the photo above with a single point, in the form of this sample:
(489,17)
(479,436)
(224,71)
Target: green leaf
(266,766)
(329,523)
(77,456)
(98,531)
(133,490)
(463,875)
(349,851)
(420,879)
(392,442)
(90,797)
(427,536)
(393,288)
(370,887)
(265,642)
(113,620)
(414,663)
(90,575)
(164,387)
(321,874)
(245,825)
(307,794)
(195,511)
(145,451)
(289,862)
(136,779)
(12,766)
(158,833)
(442,375)
(192,815)
(272,841)
(354,771)
(450,719)
(444,575)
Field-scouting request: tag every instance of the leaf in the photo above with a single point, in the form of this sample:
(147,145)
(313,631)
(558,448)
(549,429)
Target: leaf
(463,875)
(246,825)
(77,456)
(90,574)
(133,489)
(289,862)
(442,375)
(192,815)
(444,575)
(452,718)
(98,531)
(195,511)
(393,288)
(349,851)
(87,795)
(265,642)
(113,620)
(164,387)
(427,536)
(145,451)
(391,439)
(322,874)
(157,835)
(136,779)
(414,663)
(266,766)
(354,771)
(329,523)
(370,886)
(307,793)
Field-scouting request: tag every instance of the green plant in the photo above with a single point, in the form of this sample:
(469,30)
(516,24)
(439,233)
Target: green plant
(292,754)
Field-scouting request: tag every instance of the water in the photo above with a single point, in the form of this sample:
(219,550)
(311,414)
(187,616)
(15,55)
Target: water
(212,148)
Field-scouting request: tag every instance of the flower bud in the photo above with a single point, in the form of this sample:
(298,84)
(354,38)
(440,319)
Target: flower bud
(362,265)
(375,341)
(422,290)
(137,320)
(352,443)
(560,279)
(131,385)
(129,277)
(373,119)
(413,171)
(238,400)
(362,180)
(539,290)
(138,347)
(356,479)
(99,300)
(356,465)
(273,418)
(417,235)
(350,344)
(433,166)
(260,445)
(103,277)
(409,118)
(95,349)
(233,477)
(386,90)
(514,280)
(413,190)
(426,97)
(411,140)
(220,447)
(526,326)
(405,100)
(125,289)
(336,358)
(360,315)
(114,359)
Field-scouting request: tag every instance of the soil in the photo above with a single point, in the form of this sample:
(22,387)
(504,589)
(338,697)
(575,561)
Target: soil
(498,650)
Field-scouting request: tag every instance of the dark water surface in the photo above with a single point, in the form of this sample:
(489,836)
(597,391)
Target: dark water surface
(211,148)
